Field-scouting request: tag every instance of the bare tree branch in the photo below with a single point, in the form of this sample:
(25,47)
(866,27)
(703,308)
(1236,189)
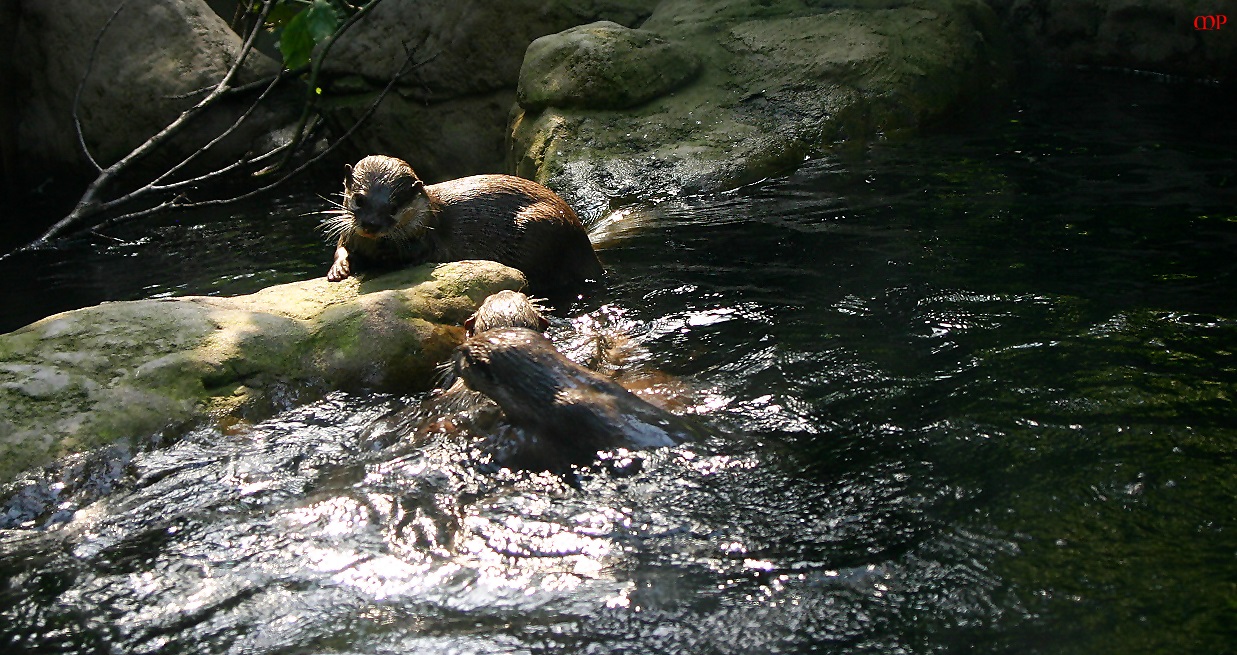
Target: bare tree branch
(77,97)
(311,99)
(92,202)
(154,185)
(89,204)
(407,67)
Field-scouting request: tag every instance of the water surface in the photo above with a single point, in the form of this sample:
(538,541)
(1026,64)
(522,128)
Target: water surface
(966,393)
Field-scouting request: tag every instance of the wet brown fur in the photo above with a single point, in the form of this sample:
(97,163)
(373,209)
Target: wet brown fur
(503,218)
(506,309)
(571,412)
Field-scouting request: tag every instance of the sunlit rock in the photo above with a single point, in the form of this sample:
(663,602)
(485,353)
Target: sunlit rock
(778,82)
(133,369)
(601,65)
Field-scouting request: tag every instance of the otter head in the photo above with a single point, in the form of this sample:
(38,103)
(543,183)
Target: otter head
(380,195)
(516,367)
(506,309)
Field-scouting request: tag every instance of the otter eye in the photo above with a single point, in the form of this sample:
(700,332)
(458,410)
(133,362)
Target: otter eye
(358,201)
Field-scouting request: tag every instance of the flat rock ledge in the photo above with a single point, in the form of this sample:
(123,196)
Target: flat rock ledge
(132,370)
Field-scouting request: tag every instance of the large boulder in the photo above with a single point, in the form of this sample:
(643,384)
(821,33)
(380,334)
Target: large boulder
(601,65)
(152,62)
(448,117)
(1150,35)
(779,81)
(91,376)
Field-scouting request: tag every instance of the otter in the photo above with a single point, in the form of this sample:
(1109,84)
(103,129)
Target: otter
(568,412)
(502,309)
(390,218)
(506,309)
(453,404)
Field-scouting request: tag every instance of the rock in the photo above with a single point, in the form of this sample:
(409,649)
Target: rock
(1151,35)
(448,118)
(151,60)
(779,81)
(601,65)
(89,377)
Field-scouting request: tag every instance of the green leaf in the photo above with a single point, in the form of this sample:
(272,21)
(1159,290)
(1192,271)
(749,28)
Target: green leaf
(322,20)
(311,26)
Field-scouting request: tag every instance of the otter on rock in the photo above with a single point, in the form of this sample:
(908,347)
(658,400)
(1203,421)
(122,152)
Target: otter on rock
(570,412)
(390,218)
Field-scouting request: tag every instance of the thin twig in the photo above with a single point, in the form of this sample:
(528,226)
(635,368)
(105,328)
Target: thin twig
(405,69)
(155,186)
(311,98)
(81,86)
(166,204)
(284,73)
(89,205)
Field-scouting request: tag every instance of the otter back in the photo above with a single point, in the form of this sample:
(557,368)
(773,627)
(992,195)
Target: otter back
(576,411)
(515,222)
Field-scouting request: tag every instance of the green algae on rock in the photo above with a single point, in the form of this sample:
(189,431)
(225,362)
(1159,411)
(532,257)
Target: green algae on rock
(92,376)
(601,65)
(778,82)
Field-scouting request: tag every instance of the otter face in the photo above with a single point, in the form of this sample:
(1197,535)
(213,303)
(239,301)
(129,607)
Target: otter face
(517,368)
(472,364)
(378,193)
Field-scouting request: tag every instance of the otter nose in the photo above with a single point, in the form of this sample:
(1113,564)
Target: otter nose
(371,223)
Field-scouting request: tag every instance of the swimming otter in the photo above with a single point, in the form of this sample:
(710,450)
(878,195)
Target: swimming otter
(503,309)
(389,218)
(506,309)
(568,411)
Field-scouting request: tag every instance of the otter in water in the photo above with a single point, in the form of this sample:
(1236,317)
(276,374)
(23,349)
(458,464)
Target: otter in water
(389,218)
(569,413)
(502,309)
(506,309)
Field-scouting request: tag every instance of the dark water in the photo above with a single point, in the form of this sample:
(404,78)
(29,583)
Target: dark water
(969,393)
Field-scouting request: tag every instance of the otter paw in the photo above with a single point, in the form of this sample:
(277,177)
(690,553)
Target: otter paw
(339,270)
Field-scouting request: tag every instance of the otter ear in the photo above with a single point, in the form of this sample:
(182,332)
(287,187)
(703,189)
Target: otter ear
(418,186)
(469,324)
(348,175)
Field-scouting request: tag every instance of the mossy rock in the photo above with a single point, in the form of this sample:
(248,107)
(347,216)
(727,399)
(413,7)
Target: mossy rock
(778,82)
(89,377)
(601,65)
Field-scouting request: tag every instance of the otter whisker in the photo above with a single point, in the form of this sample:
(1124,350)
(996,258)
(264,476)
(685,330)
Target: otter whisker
(324,212)
(444,374)
(336,226)
(339,204)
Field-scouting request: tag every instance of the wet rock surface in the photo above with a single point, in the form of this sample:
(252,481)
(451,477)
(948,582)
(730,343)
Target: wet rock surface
(88,377)
(779,82)
(601,65)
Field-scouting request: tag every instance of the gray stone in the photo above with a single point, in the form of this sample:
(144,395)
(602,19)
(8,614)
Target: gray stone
(601,65)
(151,60)
(448,117)
(779,81)
(128,370)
